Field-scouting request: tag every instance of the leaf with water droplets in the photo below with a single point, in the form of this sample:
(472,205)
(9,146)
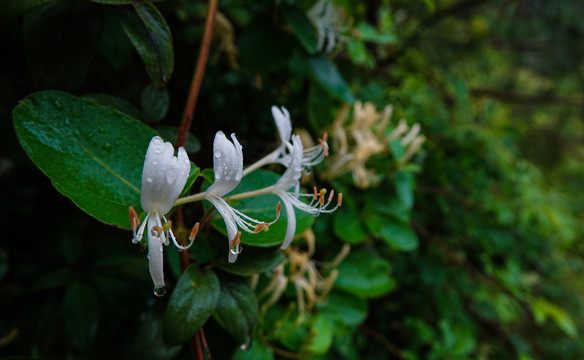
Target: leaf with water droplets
(237,310)
(190,305)
(92,153)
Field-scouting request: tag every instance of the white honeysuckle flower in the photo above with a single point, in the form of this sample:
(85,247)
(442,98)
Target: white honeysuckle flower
(323,16)
(311,156)
(291,179)
(228,168)
(163,179)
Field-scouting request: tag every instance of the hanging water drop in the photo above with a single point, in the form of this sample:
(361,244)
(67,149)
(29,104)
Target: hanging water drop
(160,290)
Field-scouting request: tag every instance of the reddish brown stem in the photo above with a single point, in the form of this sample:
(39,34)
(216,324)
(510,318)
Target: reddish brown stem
(181,140)
(198,75)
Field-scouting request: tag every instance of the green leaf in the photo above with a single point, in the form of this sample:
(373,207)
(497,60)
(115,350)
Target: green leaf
(257,351)
(328,76)
(301,26)
(254,260)
(80,312)
(347,225)
(152,39)
(11,10)
(149,343)
(237,310)
(357,51)
(192,302)
(543,309)
(321,335)
(154,103)
(114,102)
(92,154)
(60,39)
(364,275)
(345,308)
(263,208)
(320,103)
(120,2)
(395,233)
(404,184)
(369,33)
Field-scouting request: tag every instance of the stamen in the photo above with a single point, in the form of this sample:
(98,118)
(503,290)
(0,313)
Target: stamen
(260,227)
(323,144)
(134,219)
(278,208)
(330,198)
(315,193)
(321,199)
(235,240)
(194,232)
(340,199)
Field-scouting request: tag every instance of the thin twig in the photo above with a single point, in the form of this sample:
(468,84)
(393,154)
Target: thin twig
(185,124)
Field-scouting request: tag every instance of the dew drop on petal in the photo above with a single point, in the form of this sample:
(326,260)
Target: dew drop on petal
(186,161)
(228,178)
(171,175)
(158,150)
(149,179)
(155,162)
(160,290)
(217,153)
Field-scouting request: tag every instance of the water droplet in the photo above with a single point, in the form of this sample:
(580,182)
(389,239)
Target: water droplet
(149,179)
(160,290)
(187,161)
(171,175)
(218,153)
(158,150)
(107,146)
(228,178)
(89,135)
(307,171)
(247,344)
(66,121)
(58,104)
(155,162)
(101,129)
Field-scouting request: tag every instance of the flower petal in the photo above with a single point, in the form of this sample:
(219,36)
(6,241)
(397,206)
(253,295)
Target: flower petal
(292,175)
(283,123)
(290,224)
(155,253)
(163,176)
(227,164)
(229,217)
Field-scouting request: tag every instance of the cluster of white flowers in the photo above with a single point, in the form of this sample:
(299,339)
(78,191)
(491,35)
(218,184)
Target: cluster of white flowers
(164,177)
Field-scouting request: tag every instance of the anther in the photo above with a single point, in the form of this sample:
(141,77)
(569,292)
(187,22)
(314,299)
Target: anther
(331,196)
(340,199)
(134,219)
(235,240)
(194,232)
(323,144)
(321,198)
(315,194)
(260,227)
(278,208)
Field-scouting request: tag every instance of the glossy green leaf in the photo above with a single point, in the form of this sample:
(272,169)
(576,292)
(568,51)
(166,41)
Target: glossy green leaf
(92,154)
(149,343)
(155,103)
(397,234)
(257,351)
(60,39)
(152,39)
(301,26)
(114,102)
(191,304)
(263,208)
(254,260)
(330,78)
(237,310)
(81,314)
(348,226)
(365,275)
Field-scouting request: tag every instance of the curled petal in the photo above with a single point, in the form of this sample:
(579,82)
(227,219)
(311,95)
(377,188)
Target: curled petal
(229,217)
(283,123)
(290,224)
(227,164)
(163,176)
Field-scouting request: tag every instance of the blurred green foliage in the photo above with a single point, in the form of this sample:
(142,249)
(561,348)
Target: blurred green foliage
(469,248)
